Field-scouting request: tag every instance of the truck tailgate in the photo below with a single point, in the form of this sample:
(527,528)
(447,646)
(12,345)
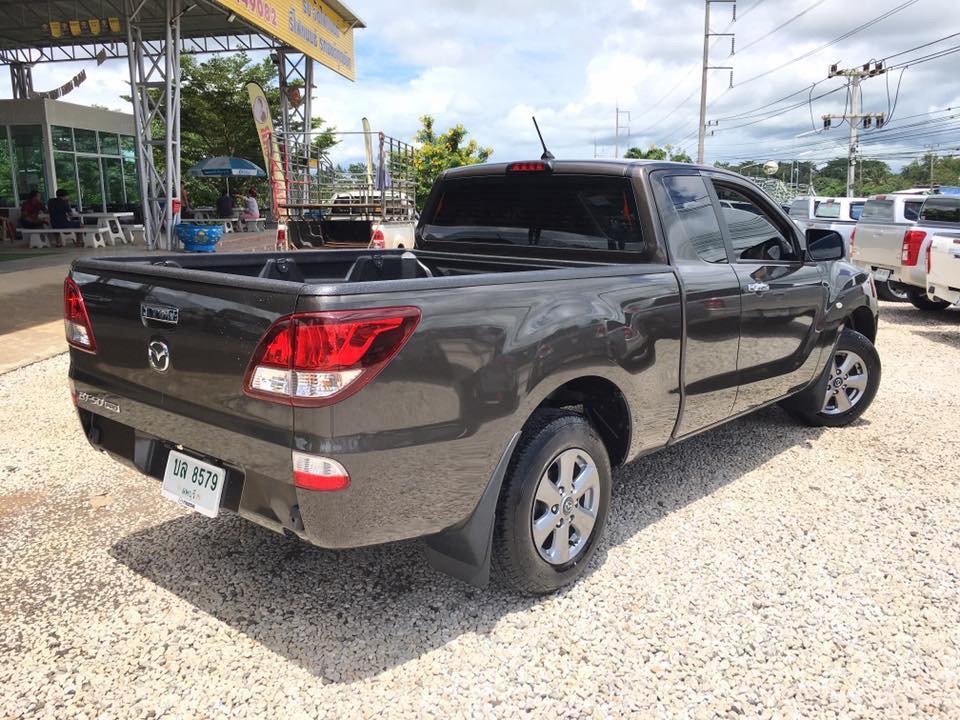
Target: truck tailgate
(945,261)
(208,329)
(879,245)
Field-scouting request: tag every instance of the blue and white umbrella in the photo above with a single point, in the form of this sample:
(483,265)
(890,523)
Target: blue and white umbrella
(228,167)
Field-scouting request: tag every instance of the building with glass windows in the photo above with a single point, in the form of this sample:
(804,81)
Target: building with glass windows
(49,144)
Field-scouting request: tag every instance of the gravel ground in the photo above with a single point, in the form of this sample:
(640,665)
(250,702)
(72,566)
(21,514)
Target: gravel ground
(760,570)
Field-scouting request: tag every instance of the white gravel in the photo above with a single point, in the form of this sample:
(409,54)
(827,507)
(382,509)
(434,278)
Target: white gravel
(760,570)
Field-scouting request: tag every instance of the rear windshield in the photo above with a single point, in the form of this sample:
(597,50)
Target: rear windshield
(544,210)
(877,211)
(941,209)
(828,210)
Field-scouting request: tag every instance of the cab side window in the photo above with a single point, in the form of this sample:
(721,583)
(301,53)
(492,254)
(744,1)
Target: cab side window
(754,234)
(692,212)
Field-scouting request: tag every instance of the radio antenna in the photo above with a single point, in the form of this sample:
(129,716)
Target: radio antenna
(547,155)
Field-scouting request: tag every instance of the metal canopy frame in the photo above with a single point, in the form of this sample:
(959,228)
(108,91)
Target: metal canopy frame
(158,32)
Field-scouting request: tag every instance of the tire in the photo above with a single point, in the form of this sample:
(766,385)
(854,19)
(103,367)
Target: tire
(891,292)
(822,404)
(556,446)
(918,298)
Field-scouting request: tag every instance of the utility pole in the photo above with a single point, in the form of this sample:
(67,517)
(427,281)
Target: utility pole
(855,116)
(616,141)
(931,148)
(707,66)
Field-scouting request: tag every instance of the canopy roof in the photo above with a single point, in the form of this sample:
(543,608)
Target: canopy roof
(204,27)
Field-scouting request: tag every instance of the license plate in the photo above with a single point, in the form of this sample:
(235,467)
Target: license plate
(193,483)
(881,274)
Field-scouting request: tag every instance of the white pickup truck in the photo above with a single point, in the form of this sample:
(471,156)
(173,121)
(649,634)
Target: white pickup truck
(887,243)
(942,215)
(840,215)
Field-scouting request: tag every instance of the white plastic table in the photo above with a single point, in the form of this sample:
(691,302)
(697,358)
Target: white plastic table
(110,222)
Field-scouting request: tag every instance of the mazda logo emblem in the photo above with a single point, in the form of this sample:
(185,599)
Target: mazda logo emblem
(159,355)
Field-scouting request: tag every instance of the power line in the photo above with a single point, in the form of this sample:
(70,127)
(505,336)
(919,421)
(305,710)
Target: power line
(781,26)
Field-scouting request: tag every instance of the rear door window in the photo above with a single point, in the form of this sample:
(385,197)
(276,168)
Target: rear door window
(538,209)
(941,209)
(691,211)
(855,210)
(877,211)
(911,210)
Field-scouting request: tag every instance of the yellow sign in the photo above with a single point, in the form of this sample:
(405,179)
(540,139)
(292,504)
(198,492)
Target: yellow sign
(270,147)
(309,26)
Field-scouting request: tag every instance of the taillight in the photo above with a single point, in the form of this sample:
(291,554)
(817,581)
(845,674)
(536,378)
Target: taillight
(313,472)
(313,359)
(912,240)
(377,240)
(76,322)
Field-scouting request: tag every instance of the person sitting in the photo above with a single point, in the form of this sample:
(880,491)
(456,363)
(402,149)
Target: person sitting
(225,205)
(60,212)
(251,210)
(30,210)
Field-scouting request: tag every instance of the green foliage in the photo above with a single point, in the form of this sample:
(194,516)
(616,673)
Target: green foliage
(667,152)
(216,119)
(438,152)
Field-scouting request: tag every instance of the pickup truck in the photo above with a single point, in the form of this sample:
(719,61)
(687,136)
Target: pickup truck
(839,214)
(556,319)
(940,215)
(887,243)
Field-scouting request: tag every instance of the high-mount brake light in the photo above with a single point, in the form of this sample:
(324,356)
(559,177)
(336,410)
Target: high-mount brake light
(76,321)
(315,359)
(912,240)
(531,166)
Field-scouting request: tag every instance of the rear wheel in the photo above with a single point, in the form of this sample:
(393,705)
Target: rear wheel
(845,389)
(553,506)
(891,291)
(919,299)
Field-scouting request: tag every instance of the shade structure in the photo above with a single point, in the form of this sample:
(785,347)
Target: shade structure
(224,166)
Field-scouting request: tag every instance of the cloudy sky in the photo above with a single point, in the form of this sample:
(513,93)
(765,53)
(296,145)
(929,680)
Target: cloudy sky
(490,65)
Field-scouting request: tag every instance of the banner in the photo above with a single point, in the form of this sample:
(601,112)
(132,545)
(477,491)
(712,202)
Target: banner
(309,26)
(272,159)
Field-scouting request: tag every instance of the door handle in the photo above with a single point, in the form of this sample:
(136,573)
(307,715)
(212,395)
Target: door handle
(758,287)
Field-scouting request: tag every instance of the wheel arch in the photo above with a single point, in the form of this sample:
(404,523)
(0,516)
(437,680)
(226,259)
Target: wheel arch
(863,321)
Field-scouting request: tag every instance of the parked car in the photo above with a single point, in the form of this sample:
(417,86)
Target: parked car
(890,243)
(838,214)
(555,320)
(940,216)
(803,210)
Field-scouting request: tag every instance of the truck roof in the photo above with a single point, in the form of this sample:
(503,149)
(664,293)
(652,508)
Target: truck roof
(581,167)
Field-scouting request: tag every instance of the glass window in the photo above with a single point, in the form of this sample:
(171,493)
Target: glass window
(86,140)
(91,196)
(693,208)
(128,148)
(109,144)
(113,183)
(560,211)
(130,183)
(754,234)
(800,208)
(911,210)
(66,170)
(828,209)
(855,210)
(28,159)
(877,210)
(941,209)
(7,195)
(62,138)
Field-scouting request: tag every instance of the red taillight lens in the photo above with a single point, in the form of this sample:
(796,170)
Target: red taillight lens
(534,166)
(912,240)
(76,322)
(377,240)
(312,472)
(314,359)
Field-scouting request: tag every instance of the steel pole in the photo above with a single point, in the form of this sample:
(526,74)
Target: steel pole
(703,82)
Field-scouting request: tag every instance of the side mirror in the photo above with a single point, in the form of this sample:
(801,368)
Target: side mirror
(825,245)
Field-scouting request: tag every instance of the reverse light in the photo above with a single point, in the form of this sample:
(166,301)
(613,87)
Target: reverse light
(912,240)
(315,359)
(313,472)
(76,321)
(377,240)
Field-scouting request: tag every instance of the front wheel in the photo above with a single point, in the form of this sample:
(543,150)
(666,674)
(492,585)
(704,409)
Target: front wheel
(919,299)
(553,505)
(845,389)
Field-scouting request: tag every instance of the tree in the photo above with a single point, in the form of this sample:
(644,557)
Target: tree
(438,152)
(667,152)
